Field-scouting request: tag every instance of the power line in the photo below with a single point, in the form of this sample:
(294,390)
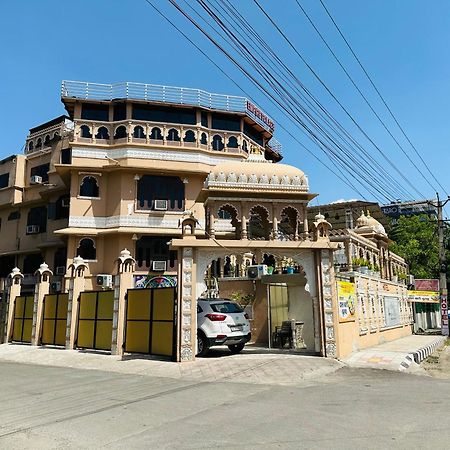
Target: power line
(380,95)
(280,31)
(342,178)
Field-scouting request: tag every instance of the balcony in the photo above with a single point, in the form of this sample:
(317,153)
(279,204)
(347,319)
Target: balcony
(162,135)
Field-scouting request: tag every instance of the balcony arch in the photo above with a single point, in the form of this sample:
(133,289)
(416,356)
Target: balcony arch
(258,227)
(39,143)
(173,135)
(189,136)
(102,133)
(121,132)
(47,139)
(85,131)
(138,132)
(204,139)
(288,225)
(217,143)
(233,142)
(156,134)
(30,146)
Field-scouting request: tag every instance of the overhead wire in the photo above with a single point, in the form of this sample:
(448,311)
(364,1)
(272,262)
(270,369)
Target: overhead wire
(339,176)
(381,96)
(310,68)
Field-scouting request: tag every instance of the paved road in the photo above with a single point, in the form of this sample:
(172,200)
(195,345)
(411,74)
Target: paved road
(55,407)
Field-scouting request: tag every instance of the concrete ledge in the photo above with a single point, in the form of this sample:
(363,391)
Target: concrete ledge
(420,354)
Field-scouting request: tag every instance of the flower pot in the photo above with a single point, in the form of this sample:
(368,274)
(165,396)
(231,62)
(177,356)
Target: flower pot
(290,270)
(269,270)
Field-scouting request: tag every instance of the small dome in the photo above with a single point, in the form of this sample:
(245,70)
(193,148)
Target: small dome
(361,221)
(319,216)
(367,223)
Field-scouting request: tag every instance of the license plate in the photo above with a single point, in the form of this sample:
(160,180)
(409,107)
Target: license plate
(236,327)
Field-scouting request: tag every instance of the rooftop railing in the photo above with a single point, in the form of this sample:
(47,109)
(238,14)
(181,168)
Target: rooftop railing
(165,94)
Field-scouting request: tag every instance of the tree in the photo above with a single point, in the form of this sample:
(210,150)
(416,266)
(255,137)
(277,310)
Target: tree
(416,239)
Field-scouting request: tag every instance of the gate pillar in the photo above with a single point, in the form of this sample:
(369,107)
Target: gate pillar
(76,286)
(42,288)
(123,282)
(13,292)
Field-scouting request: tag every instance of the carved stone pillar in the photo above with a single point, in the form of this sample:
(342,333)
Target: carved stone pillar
(123,282)
(275,228)
(13,292)
(212,229)
(188,316)
(76,286)
(42,288)
(244,228)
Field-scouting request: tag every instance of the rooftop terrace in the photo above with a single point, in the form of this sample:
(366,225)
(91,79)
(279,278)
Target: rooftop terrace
(166,94)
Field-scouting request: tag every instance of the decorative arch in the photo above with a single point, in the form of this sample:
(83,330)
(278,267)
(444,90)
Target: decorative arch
(173,135)
(189,136)
(85,131)
(39,143)
(102,133)
(232,142)
(138,132)
(229,219)
(47,139)
(89,187)
(120,132)
(258,227)
(217,143)
(30,146)
(156,134)
(288,225)
(86,249)
(204,139)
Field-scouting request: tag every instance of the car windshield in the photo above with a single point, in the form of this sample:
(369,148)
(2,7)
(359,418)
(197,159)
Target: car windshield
(226,307)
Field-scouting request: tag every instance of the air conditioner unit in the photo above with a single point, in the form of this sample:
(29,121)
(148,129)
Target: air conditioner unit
(60,270)
(159,266)
(36,179)
(65,202)
(256,272)
(160,205)
(32,229)
(104,280)
(56,286)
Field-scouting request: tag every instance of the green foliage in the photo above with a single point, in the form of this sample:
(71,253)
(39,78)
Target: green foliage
(243,298)
(416,239)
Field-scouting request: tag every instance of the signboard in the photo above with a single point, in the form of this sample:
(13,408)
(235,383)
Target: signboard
(444,315)
(346,301)
(423,296)
(426,284)
(396,210)
(256,112)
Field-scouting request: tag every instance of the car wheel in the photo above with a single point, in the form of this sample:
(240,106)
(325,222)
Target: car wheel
(236,348)
(202,345)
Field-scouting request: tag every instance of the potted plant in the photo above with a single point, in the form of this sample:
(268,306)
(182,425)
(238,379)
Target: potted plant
(270,270)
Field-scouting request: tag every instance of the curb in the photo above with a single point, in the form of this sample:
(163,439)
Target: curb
(420,354)
(409,359)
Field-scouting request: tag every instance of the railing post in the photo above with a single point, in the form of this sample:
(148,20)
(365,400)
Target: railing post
(13,292)
(42,288)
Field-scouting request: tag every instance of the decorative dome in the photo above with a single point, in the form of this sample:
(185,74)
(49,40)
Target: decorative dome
(257,172)
(367,223)
(319,217)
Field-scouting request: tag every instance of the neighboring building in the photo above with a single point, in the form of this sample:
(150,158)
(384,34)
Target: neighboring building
(343,215)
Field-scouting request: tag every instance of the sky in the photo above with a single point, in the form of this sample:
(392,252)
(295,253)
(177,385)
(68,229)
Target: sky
(403,44)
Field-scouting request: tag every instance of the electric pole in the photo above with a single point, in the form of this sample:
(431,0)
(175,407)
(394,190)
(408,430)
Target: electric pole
(442,266)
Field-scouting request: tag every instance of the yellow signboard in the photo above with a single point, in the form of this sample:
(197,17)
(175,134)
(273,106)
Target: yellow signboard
(423,296)
(346,301)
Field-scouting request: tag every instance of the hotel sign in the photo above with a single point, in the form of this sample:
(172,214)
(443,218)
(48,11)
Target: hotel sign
(396,210)
(256,112)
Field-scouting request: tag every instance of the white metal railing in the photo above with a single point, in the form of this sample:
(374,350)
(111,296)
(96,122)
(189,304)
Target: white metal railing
(164,94)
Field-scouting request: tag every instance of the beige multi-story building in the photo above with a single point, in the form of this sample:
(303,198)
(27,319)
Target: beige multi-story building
(156,184)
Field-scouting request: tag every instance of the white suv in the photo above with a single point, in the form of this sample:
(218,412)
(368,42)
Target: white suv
(221,322)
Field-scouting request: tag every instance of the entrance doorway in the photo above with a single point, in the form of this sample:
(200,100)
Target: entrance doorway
(55,319)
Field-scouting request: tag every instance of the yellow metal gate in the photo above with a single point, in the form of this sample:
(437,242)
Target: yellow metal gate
(151,321)
(23,318)
(95,320)
(55,319)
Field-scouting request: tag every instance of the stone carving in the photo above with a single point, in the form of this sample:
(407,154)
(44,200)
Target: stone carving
(186,354)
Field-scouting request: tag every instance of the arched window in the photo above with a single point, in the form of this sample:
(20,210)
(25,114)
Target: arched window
(173,135)
(55,135)
(47,140)
(233,142)
(258,223)
(121,132)
(85,131)
(245,147)
(102,133)
(153,187)
(89,187)
(203,139)
(287,227)
(39,143)
(30,146)
(217,143)
(86,249)
(138,132)
(156,134)
(189,136)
